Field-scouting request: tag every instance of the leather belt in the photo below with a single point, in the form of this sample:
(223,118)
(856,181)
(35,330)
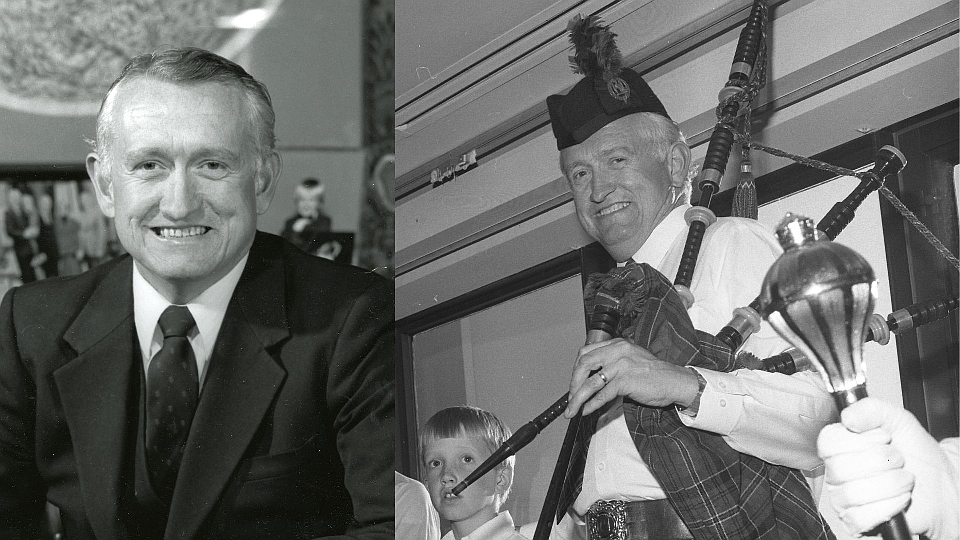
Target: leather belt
(635,520)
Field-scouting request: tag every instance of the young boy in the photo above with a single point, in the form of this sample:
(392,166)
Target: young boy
(310,221)
(453,443)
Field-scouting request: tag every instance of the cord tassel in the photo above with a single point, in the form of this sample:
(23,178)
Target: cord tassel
(745,196)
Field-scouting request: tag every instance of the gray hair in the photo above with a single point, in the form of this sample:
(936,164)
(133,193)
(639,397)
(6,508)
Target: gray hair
(661,132)
(191,65)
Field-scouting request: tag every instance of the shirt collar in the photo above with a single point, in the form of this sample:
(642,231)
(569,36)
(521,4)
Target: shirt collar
(661,238)
(208,308)
(497,527)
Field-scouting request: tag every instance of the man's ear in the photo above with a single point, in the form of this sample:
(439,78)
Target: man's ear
(102,183)
(267,180)
(678,163)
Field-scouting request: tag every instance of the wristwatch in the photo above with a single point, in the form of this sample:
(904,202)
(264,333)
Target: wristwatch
(694,407)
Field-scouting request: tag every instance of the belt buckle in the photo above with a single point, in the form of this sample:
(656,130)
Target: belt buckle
(607,520)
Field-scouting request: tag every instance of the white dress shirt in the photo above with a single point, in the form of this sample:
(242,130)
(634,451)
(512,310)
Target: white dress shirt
(768,415)
(208,310)
(498,528)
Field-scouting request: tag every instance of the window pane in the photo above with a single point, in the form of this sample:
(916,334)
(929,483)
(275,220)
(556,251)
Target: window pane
(514,360)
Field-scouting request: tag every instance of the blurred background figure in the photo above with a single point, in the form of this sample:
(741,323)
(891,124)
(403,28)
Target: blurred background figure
(93,230)
(18,227)
(880,461)
(67,227)
(39,257)
(9,267)
(310,227)
(47,236)
(304,228)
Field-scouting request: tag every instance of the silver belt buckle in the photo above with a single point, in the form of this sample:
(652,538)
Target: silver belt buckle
(607,520)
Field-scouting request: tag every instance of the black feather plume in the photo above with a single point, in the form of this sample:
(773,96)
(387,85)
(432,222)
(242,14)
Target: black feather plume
(595,52)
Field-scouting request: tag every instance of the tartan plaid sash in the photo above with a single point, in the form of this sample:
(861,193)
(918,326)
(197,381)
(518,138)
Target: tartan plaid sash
(717,491)
(585,427)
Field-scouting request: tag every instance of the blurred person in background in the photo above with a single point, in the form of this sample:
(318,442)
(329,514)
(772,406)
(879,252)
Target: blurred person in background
(17,222)
(93,230)
(67,231)
(304,227)
(47,236)
(9,268)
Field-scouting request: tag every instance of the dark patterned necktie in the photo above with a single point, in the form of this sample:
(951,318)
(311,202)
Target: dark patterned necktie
(172,386)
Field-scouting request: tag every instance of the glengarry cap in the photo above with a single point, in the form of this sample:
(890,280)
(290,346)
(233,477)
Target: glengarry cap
(608,90)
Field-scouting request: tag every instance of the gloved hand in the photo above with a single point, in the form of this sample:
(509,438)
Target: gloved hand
(880,461)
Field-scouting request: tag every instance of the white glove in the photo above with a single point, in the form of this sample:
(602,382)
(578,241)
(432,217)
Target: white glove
(880,461)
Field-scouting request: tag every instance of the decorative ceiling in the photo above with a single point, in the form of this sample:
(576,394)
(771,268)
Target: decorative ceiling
(58,57)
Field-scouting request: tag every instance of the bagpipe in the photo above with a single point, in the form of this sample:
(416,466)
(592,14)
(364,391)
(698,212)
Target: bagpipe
(819,295)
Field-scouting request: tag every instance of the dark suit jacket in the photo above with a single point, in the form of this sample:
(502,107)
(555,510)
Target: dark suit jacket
(293,436)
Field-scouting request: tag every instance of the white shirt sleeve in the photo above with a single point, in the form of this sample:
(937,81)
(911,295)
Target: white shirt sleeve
(416,518)
(951,447)
(772,416)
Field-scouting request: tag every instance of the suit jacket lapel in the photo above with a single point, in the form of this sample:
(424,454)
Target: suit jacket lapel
(97,395)
(240,386)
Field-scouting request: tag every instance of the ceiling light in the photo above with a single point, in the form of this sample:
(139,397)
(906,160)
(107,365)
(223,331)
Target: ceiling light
(251,18)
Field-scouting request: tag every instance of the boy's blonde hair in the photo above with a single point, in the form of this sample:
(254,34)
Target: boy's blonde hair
(466,421)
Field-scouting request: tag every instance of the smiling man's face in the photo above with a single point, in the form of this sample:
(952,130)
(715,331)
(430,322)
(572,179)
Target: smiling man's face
(181,181)
(620,188)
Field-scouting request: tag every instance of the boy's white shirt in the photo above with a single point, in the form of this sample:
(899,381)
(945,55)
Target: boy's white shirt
(499,528)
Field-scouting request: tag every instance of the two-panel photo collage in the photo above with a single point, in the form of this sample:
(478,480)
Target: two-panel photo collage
(562,269)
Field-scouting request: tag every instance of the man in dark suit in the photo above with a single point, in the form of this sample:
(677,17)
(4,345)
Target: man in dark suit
(215,383)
